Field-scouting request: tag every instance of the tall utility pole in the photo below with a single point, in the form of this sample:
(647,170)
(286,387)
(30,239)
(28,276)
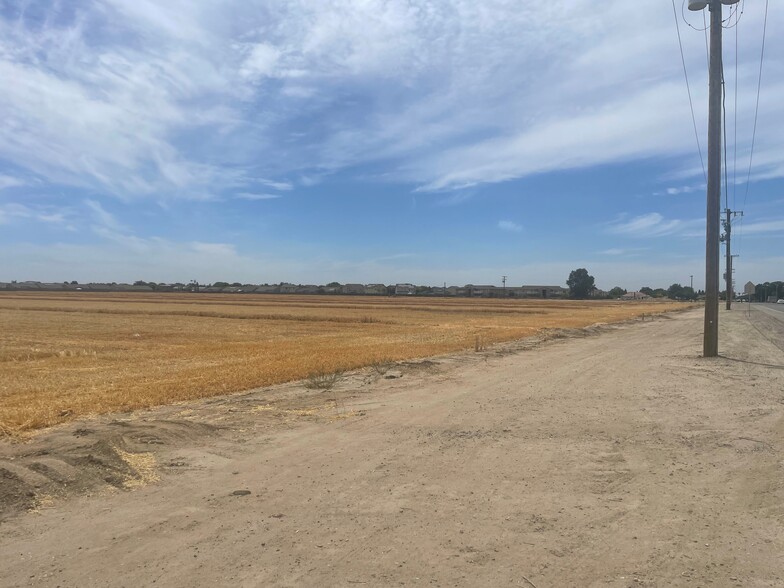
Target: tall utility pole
(691,282)
(710,344)
(727,238)
(503,281)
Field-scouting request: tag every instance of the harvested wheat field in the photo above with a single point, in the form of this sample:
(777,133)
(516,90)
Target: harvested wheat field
(73,354)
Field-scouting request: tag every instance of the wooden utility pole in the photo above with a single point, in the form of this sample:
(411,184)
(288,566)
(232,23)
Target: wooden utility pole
(727,238)
(710,347)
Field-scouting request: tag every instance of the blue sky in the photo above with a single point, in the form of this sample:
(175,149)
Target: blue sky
(377,141)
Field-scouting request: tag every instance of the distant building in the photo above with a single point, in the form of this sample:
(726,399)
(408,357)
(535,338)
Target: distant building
(353,289)
(405,289)
(308,289)
(376,289)
(484,291)
(286,288)
(542,292)
(267,289)
(635,296)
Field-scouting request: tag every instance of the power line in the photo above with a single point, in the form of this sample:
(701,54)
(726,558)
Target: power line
(688,89)
(756,108)
(724,129)
(705,28)
(735,125)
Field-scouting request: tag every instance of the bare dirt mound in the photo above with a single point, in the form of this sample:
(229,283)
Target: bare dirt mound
(76,459)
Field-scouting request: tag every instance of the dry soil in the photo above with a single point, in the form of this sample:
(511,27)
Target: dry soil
(614,457)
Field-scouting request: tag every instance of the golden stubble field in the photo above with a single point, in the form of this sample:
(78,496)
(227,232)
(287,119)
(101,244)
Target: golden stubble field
(64,355)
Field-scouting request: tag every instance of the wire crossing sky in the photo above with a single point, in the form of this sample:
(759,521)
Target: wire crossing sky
(369,141)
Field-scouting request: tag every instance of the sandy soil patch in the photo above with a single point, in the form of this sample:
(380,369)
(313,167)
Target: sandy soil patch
(619,458)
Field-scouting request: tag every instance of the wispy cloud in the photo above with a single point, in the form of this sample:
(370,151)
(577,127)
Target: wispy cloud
(103,218)
(772,226)
(9,182)
(653,224)
(506,225)
(219,94)
(13,212)
(678,190)
(254,196)
(626,252)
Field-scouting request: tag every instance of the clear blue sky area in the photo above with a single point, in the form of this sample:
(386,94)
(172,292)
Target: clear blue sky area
(375,141)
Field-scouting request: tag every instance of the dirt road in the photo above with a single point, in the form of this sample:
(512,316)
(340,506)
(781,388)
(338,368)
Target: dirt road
(617,459)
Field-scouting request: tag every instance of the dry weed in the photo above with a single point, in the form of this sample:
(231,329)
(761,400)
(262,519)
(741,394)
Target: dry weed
(323,380)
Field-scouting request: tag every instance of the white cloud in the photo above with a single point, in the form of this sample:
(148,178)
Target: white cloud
(260,62)
(9,182)
(772,226)
(187,99)
(506,225)
(653,224)
(103,218)
(13,212)
(253,196)
(678,190)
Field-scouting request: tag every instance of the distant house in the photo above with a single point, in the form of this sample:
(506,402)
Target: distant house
(405,289)
(132,288)
(353,289)
(483,291)
(635,296)
(52,286)
(266,289)
(308,289)
(375,289)
(286,288)
(542,292)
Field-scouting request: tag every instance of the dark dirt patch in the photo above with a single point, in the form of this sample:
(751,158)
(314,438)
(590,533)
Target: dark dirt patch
(75,460)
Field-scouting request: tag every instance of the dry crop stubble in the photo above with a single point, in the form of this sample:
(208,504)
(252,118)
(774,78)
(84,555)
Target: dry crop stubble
(72,354)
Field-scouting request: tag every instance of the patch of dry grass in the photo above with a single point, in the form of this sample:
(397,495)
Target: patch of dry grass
(69,354)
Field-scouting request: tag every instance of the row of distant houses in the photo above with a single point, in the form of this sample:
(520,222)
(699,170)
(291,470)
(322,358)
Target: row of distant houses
(469,290)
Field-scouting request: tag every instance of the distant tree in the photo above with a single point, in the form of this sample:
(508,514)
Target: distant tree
(334,285)
(769,289)
(678,292)
(616,292)
(74,282)
(221,285)
(674,291)
(580,283)
(140,283)
(236,285)
(648,290)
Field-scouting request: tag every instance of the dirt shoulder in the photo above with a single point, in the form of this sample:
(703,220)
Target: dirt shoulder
(622,459)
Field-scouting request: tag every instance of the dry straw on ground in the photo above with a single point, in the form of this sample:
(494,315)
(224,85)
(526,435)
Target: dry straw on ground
(71,354)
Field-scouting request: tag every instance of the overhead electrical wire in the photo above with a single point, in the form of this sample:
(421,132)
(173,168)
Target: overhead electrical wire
(688,90)
(705,27)
(735,127)
(756,108)
(724,129)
